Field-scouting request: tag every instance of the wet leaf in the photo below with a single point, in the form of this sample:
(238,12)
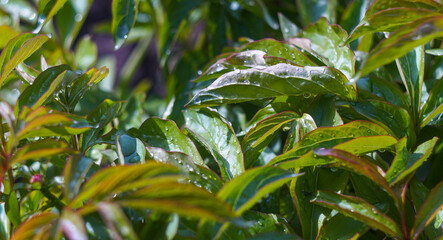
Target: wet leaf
(288,28)
(384,89)
(363,145)
(433,106)
(311,11)
(401,42)
(215,132)
(116,221)
(266,222)
(299,129)
(429,209)
(326,40)
(123,18)
(165,134)
(341,227)
(70,19)
(359,209)
(278,80)
(130,150)
(258,137)
(247,189)
(406,163)
(75,174)
(328,137)
(46,10)
(17,50)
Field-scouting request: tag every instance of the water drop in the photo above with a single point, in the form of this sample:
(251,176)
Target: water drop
(78,17)
(237,71)
(306,95)
(286,30)
(234,6)
(199,72)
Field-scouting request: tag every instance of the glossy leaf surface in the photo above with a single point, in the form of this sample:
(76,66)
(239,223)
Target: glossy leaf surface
(434,104)
(123,18)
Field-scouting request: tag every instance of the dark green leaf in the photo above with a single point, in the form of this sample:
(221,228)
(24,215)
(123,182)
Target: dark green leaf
(275,235)
(278,80)
(328,137)
(429,209)
(299,129)
(406,163)
(13,209)
(260,9)
(210,128)
(323,111)
(165,134)
(401,42)
(326,40)
(384,89)
(45,87)
(247,189)
(341,227)
(46,10)
(123,18)
(17,50)
(359,209)
(311,11)
(70,19)
(262,134)
(266,223)
(130,150)
(74,175)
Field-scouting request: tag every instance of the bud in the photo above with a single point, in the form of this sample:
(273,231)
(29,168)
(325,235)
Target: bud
(36,178)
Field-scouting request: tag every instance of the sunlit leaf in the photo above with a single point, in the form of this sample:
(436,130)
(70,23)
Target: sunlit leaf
(288,28)
(277,80)
(70,19)
(123,18)
(85,53)
(298,130)
(359,209)
(17,50)
(384,89)
(433,106)
(72,225)
(41,149)
(28,229)
(341,227)
(165,134)
(220,140)
(130,150)
(116,221)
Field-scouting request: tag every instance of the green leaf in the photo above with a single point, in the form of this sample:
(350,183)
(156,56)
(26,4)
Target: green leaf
(341,227)
(394,119)
(359,209)
(17,50)
(199,175)
(266,222)
(258,137)
(282,79)
(326,40)
(44,87)
(41,149)
(7,34)
(435,51)
(411,67)
(363,145)
(70,19)
(102,115)
(357,165)
(116,221)
(401,42)
(406,163)
(275,235)
(299,128)
(130,150)
(311,11)
(46,10)
(75,174)
(123,18)
(384,89)
(5,224)
(114,180)
(13,209)
(328,137)
(322,110)
(35,224)
(183,199)
(165,134)
(72,225)
(433,106)
(260,9)
(217,134)
(432,205)
(85,53)
(288,28)
(389,20)
(312,217)
(247,189)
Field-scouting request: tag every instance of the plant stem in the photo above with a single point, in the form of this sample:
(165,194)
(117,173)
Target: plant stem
(57,203)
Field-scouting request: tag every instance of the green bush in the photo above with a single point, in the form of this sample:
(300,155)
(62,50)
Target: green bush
(322,135)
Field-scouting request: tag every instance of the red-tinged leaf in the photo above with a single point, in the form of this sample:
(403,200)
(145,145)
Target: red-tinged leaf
(358,165)
(328,137)
(73,225)
(406,163)
(359,209)
(116,221)
(183,199)
(363,145)
(17,50)
(114,180)
(41,149)
(401,42)
(247,189)
(34,225)
(432,205)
